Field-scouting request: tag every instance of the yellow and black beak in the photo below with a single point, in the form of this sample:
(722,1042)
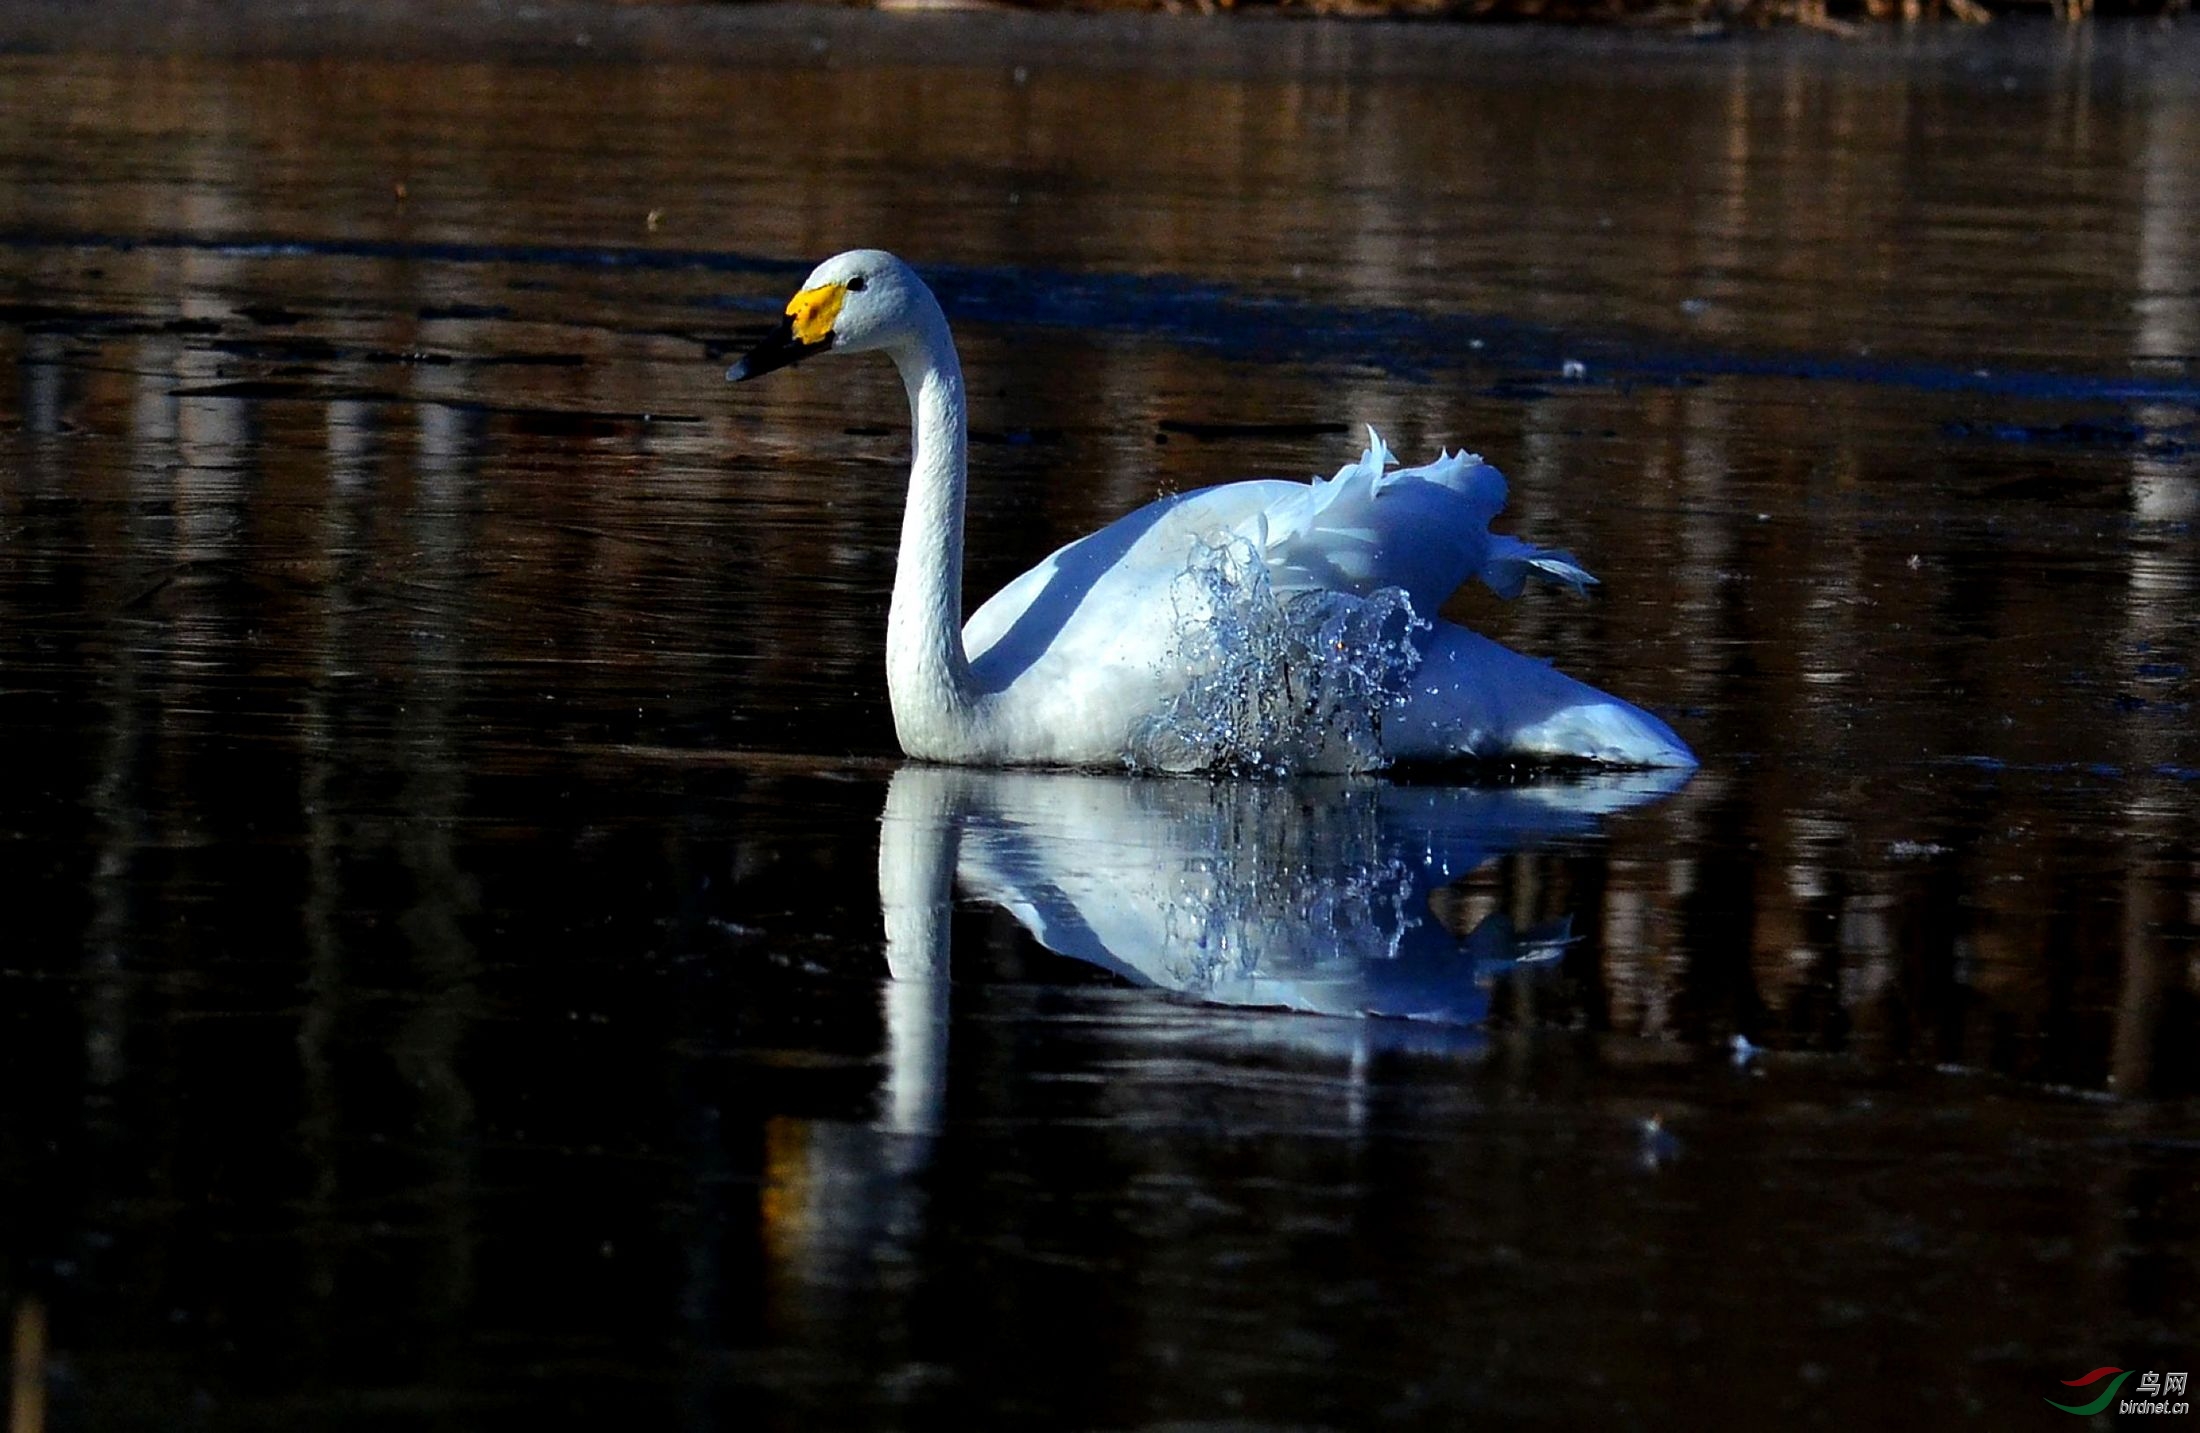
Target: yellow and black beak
(805,332)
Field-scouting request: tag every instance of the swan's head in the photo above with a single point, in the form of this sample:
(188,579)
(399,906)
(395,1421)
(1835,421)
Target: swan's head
(852,303)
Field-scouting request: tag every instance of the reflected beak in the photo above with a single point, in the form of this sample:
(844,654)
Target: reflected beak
(781,350)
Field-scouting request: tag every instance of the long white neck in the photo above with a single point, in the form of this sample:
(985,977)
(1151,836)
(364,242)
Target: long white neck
(928,673)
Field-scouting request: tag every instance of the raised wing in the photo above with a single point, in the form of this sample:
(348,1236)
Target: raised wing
(1372,525)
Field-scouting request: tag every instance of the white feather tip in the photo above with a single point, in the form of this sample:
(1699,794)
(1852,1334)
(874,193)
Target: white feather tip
(1378,452)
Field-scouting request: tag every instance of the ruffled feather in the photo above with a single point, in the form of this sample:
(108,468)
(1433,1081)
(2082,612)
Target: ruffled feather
(1423,529)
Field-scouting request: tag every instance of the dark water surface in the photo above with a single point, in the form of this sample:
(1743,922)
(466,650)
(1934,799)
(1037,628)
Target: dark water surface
(455,851)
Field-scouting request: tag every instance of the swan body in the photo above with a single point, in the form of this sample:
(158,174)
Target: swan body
(1074,662)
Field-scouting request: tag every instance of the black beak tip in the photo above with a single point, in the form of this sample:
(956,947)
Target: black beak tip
(781,349)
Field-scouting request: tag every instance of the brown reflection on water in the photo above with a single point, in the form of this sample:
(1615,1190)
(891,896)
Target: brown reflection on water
(27,1371)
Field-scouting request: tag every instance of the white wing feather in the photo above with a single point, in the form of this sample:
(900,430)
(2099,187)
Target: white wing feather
(1371,526)
(1424,529)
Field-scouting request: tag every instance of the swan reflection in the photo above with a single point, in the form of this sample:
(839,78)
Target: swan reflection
(1309,896)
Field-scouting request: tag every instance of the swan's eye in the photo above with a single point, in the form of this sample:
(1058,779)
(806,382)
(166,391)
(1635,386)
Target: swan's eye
(856,285)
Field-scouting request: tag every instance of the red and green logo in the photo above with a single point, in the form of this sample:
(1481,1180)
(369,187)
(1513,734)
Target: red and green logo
(2108,1395)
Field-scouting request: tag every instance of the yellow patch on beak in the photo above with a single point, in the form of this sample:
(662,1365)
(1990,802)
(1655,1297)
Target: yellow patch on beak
(813,311)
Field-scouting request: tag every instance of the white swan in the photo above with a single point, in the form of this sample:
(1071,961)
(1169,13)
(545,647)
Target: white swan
(1075,662)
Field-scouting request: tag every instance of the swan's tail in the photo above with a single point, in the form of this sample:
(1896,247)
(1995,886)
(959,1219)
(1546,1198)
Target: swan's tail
(1471,698)
(1511,561)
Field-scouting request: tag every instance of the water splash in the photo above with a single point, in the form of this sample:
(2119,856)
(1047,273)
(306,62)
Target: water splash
(1295,888)
(1279,682)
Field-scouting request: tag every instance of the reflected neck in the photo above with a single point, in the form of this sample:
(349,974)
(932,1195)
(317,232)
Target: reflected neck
(928,673)
(919,834)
